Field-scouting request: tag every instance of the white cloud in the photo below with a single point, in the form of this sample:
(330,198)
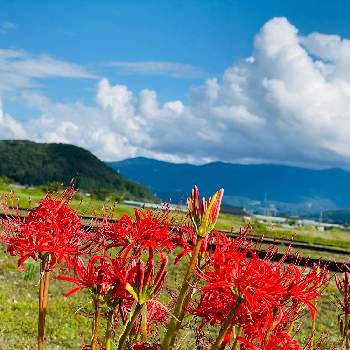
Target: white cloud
(9,127)
(20,69)
(88,127)
(289,102)
(171,69)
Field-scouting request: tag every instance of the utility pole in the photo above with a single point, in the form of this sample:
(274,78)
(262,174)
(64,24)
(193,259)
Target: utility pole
(265,203)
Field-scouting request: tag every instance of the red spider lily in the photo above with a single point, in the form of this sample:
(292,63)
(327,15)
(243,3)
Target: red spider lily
(149,320)
(101,275)
(51,229)
(277,341)
(204,214)
(145,346)
(215,306)
(186,238)
(144,288)
(267,289)
(157,312)
(51,232)
(304,288)
(146,284)
(108,280)
(145,232)
(343,286)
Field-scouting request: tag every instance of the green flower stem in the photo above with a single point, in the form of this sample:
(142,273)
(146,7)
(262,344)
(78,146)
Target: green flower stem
(346,332)
(43,300)
(109,330)
(96,323)
(313,331)
(122,344)
(235,343)
(182,301)
(226,326)
(346,318)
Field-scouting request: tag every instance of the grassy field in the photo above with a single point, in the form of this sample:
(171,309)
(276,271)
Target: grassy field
(18,311)
(67,329)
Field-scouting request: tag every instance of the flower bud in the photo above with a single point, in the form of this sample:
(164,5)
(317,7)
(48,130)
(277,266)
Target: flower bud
(204,214)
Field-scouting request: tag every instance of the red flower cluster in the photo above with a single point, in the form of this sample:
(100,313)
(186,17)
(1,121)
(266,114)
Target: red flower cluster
(50,230)
(147,231)
(343,286)
(264,296)
(102,275)
(129,272)
(145,346)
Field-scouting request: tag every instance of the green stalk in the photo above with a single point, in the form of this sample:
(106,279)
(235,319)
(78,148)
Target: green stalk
(346,316)
(126,333)
(313,331)
(43,300)
(181,303)
(109,331)
(235,343)
(226,326)
(96,323)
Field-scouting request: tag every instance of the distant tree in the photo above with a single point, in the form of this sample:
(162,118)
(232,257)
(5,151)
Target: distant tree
(52,187)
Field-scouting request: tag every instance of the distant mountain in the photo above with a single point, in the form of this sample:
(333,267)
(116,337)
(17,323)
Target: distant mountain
(31,163)
(286,189)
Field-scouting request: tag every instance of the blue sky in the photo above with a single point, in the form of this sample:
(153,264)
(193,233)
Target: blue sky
(209,35)
(133,64)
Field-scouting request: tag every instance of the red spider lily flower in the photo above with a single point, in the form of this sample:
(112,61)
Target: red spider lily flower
(277,341)
(264,290)
(145,232)
(204,214)
(157,312)
(101,275)
(145,346)
(51,229)
(146,284)
(186,238)
(305,288)
(343,286)
(214,306)
(149,320)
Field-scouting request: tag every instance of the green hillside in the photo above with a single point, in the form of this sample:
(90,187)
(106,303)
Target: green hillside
(31,163)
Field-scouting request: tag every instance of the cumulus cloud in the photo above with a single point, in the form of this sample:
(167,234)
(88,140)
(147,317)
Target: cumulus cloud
(289,102)
(9,127)
(86,126)
(171,69)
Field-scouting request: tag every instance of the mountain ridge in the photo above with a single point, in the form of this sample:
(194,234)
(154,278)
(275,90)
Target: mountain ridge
(320,188)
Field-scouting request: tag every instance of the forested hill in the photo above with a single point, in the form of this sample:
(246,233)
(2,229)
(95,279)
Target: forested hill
(31,163)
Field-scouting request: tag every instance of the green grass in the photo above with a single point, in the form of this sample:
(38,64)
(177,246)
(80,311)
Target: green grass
(18,312)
